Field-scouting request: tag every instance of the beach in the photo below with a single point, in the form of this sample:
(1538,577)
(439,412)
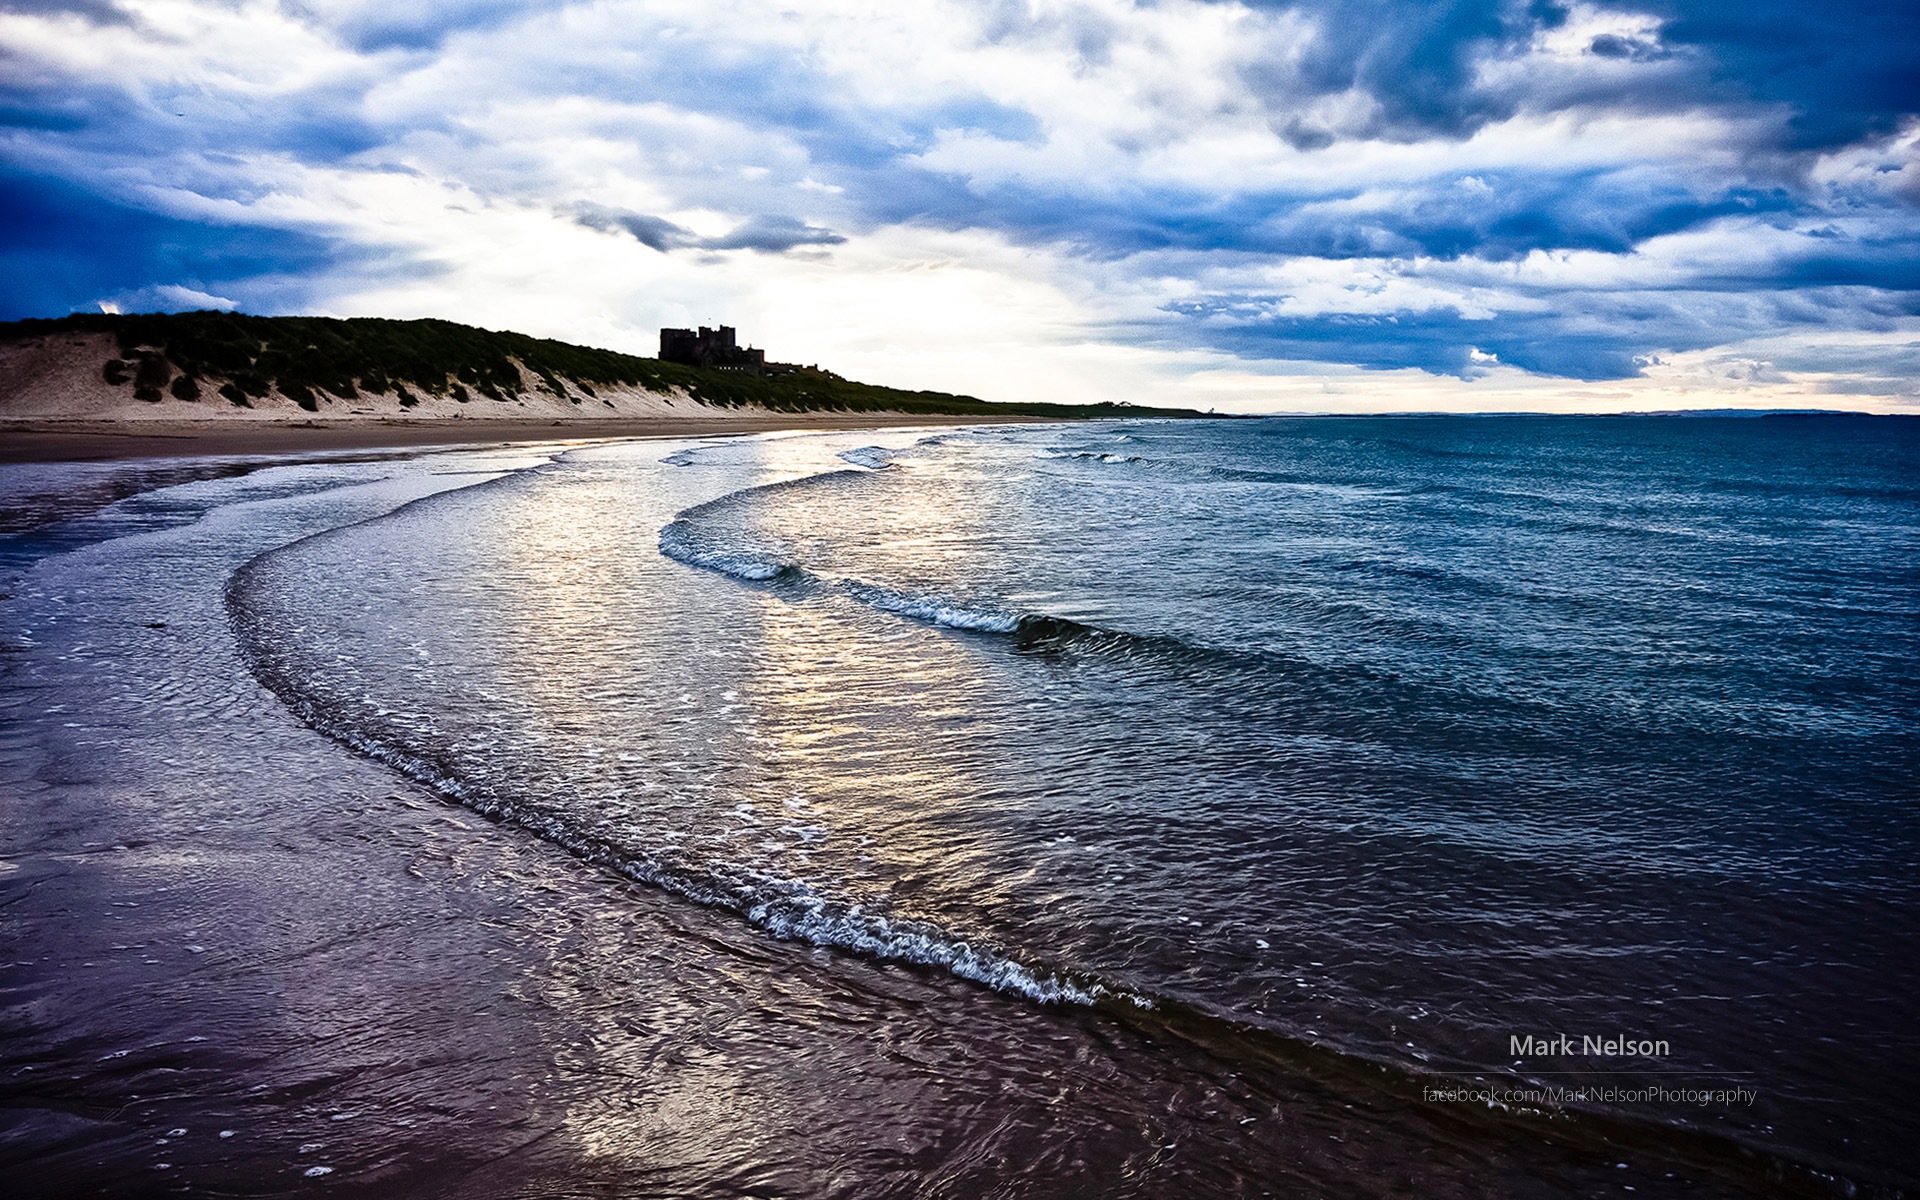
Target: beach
(1124,601)
(67,394)
(79,440)
(439,823)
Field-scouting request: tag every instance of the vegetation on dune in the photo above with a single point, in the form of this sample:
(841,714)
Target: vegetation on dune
(308,358)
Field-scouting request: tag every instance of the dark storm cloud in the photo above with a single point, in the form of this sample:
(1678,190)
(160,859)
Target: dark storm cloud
(1416,60)
(420,24)
(655,233)
(771,234)
(98,12)
(1443,343)
(1616,45)
(1605,335)
(63,248)
(1846,69)
(1493,217)
(157,132)
(766,234)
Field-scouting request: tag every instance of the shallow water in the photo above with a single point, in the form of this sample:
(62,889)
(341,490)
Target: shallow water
(1298,765)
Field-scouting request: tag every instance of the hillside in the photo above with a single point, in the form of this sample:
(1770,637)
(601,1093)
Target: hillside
(212,364)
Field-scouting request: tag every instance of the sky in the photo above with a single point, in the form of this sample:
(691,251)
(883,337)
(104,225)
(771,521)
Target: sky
(1320,206)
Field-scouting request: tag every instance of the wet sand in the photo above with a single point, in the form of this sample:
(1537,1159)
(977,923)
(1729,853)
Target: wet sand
(88,441)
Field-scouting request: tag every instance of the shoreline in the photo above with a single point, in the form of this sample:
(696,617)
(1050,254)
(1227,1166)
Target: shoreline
(346,972)
(104,441)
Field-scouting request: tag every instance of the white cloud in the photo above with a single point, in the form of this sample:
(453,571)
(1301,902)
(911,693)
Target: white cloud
(1075,198)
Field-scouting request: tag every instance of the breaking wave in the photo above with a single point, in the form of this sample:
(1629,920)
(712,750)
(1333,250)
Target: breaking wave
(935,610)
(785,907)
(1212,473)
(871,457)
(684,542)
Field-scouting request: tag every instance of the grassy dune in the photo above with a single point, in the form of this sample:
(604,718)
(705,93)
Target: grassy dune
(215,355)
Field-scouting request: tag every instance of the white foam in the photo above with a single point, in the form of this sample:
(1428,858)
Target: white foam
(784,906)
(871,457)
(936,610)
(680,543)
(802,915)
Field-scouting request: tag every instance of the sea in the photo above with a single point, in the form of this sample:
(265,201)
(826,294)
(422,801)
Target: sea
(1498,805)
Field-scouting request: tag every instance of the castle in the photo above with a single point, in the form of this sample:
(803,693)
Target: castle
(710,348)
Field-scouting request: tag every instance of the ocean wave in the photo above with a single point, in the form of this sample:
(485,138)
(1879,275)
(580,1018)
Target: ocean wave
(679,458)
(1035,632)
(935,610)
(793,909)
(785,907)
(1100,456)
(695,538)
(689,539)
(797,912)
(1209,472)
(871,457)
(683,542)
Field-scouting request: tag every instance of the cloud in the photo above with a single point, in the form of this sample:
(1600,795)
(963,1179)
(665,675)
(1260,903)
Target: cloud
(167,297)
(766,233)
(64,249)
(1844,69)
(1473,189)
(655,233)
(98,12)
(773,234)
(372,26)
(1615,45)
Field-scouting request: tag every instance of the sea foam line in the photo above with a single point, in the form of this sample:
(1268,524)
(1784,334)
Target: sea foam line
(787,908)
(936,610)
(681,541)
(871,457)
